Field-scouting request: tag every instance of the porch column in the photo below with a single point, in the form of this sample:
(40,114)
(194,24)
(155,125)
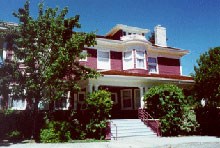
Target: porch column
(89,88)
(96,87)
(146,90)
(142,96)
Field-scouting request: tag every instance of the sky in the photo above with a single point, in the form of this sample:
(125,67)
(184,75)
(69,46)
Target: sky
(193,25)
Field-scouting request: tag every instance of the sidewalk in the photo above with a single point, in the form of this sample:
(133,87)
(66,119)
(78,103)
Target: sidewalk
(138,142)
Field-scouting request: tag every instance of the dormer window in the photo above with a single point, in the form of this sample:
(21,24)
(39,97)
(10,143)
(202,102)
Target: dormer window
(124,33)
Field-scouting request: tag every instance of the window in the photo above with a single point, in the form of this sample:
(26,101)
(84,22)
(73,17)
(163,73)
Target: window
(126,99)
(140,60)
(152,65)
(128,60)
(18,104)
(81,100)
(81,97)
(84,55)
(114,98)
(63,103)
(103,60)
(43,105)
(124,33)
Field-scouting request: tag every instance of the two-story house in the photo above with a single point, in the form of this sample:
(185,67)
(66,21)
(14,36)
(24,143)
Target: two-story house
(129,64)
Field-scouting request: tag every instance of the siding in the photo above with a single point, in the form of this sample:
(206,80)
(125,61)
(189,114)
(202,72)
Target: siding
(168,66)
(116,60)
(91,59)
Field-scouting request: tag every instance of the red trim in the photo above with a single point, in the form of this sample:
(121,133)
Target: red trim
(123,73)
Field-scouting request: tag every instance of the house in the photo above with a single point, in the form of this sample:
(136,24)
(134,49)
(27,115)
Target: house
(129,64)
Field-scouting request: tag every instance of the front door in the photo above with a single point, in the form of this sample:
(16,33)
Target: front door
(126,99)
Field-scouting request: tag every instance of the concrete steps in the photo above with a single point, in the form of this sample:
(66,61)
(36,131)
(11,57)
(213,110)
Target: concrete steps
(130,128)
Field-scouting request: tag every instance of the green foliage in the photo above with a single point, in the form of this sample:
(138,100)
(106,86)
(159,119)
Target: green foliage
(207,76)
(14,135)
(99,107)
(167,102)
(50,50)
(55,132)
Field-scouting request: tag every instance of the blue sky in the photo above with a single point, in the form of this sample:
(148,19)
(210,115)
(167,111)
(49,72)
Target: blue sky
(191,24)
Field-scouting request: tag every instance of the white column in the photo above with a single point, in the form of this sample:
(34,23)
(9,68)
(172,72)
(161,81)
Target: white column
(96,87)
(145,90)
(142,96)
(89,88)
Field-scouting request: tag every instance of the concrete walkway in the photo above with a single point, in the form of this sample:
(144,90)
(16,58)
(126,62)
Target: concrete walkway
(138,142)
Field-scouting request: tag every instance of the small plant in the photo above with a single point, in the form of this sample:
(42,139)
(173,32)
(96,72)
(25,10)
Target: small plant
(14,135)
(55,132)
(99,106)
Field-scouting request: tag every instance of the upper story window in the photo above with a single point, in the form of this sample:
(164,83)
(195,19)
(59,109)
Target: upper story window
(128,60)
(140,60)
(84,55)
(152,65)
(103,58)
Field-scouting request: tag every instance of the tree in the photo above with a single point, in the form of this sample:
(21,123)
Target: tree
(168,103)
(207,76)
(50,51)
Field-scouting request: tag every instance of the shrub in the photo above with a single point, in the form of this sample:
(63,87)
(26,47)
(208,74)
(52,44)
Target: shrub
(99,106)
(14,135)
(167,102)
(55,131)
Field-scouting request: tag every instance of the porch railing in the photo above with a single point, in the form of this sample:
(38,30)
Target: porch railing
(148,120)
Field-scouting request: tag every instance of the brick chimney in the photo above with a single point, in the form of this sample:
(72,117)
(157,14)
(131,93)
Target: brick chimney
(160,36)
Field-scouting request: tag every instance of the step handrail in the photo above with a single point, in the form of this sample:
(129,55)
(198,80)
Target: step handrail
(144,116)
(116,131)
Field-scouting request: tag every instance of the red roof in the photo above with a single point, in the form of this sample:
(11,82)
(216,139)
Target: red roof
(124,73)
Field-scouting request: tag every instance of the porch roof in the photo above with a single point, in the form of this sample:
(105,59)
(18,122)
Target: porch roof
(164,76)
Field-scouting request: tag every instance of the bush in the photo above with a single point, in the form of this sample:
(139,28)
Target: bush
(99,107)
(55,132)
(14,135)
(167,102)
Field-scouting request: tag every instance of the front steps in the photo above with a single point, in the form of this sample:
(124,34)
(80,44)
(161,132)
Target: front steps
(130,128)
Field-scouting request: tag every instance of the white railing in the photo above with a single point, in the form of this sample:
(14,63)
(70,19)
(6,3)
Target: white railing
(133,37)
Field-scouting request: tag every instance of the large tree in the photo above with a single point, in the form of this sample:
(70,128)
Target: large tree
(207,76)
(49,49)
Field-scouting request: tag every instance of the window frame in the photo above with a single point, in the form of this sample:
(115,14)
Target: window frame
(122,99)
(144,58)
(107,65)
(24,104)
(131,63)
(152,64)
